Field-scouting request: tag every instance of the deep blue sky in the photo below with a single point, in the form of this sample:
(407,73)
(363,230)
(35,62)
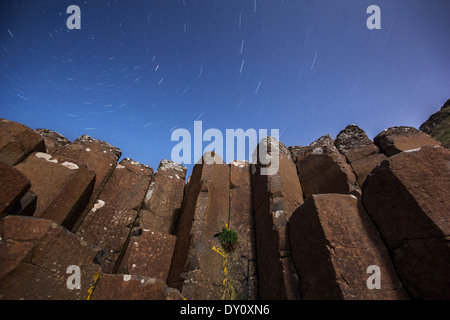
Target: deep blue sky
(138,69)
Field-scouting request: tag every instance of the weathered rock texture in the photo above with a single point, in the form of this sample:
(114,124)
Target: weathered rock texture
(14,185)
(438,125)
(139,235)
(162,203)
(35,255)
(241,262)
(98,156)
(275,198)
(63,188)
(361,153)
(109,222)
(127,287)
(197,269)
(323,169)
(397,139)
(53,140)
(407,197)
(17,141)
(333,243)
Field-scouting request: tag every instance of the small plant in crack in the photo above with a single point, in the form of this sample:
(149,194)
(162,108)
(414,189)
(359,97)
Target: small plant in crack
(228,238)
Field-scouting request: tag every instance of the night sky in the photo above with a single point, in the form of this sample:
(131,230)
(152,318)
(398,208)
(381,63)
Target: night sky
(137,70)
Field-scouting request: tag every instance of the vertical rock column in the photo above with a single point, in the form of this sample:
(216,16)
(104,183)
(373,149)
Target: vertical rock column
(109,222)
(197,269)
(333,243)
(98,156)
(323,169)
(151,246)
(241,262)
(162,203)
(275,198)
(407,197)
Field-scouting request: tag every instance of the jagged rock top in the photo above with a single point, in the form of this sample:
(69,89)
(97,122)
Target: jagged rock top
(352,137)
(269,141)
(170,166)
(85,138)
(56,137)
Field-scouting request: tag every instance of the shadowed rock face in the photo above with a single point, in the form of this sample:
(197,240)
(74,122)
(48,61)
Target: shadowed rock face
(275,197)
(438,125)
(415,222)
(333,243)
(197,269)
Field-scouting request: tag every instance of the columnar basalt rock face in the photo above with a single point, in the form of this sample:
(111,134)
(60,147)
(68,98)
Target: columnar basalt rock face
(17,141)
(111,219)
(324,169)
(397,139)
(149,254)
(241,261)
(132,287)
(333,243)
(53,140)
(162,203)
(407,197)
(98,156)
(197,269)
(361,153)
(275,198)
(63,188)
(14,186)
(35,255)
(143,236)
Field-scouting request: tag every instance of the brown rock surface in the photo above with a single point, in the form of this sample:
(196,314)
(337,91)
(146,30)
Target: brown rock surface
(111,219)
(324,170)
(397,139)
(14,185)
(407,198)
(361,153)
(98,156)
(34,257)
(53,140)
(62,187)
(149,254)
(128,287)
(241,262)
(162,203)
(197,269)
(275,198)
(333,243)
(354,143)
(17,141)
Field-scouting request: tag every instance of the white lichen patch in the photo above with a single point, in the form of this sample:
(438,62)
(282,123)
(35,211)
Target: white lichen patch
(412,150)
(119,166)
(126,277)
(278,213)
(150,191)
(99,204)
(46,156)
(87,149)
(70,165)
(318,150)
(170,165)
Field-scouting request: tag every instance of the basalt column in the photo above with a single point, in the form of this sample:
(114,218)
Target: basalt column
(276,195)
